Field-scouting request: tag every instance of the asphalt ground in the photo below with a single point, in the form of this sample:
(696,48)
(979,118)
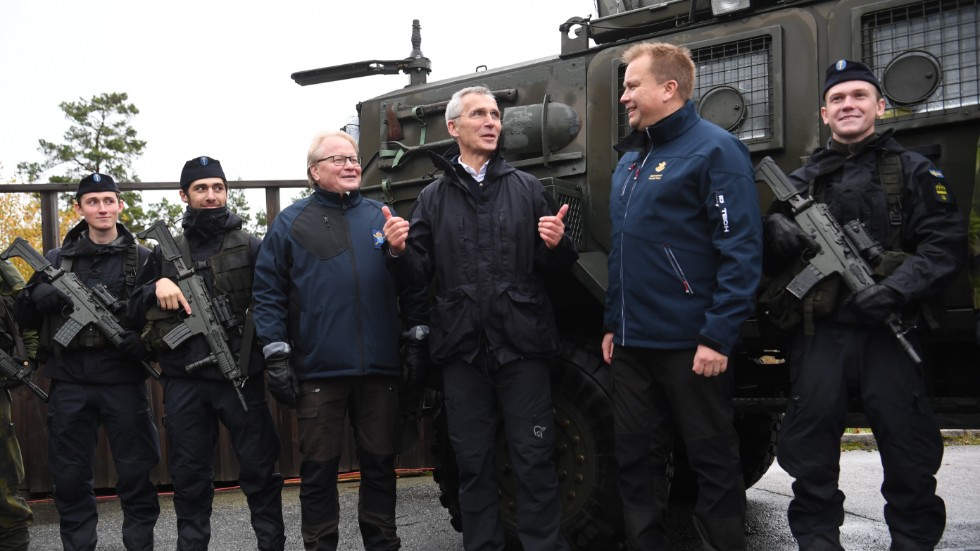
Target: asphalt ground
(424,525)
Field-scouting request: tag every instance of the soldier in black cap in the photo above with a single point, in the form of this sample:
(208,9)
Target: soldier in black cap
(93,382)
(841,347)
(215,245)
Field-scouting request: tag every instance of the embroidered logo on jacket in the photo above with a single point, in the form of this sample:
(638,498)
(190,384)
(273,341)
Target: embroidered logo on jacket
(659,168)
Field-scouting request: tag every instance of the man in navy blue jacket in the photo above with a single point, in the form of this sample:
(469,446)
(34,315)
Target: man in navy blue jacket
(684,264)
(326,313)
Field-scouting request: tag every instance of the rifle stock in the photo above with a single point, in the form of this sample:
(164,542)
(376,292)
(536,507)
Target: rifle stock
(837,251)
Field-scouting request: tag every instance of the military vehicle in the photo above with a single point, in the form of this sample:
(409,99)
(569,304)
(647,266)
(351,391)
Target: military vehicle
(760,66)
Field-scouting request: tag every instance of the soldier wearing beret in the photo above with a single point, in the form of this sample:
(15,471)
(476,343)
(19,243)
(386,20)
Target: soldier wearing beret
(845,349)
(93,382)
(214,243)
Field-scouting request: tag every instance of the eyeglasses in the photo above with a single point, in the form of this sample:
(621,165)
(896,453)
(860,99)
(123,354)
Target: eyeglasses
(340,160)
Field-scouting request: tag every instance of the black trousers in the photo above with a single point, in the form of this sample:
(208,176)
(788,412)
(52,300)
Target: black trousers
(75,412)
(655,392)
(194,408)
(826,367)
(520,394)
(372,404)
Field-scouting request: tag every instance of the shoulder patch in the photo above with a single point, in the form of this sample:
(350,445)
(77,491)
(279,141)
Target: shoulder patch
(941,193)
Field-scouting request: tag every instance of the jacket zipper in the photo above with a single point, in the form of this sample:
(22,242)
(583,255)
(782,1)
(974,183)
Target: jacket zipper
(635,174)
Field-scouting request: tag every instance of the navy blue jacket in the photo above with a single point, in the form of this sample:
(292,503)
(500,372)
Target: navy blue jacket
(93,264)
(481,245)
(321,285)
(686,251)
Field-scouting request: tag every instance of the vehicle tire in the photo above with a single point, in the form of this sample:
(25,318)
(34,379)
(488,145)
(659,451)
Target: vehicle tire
(591,515)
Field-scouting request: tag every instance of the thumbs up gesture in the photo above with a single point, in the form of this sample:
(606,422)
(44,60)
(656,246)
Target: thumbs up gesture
(396,231)
(552,228)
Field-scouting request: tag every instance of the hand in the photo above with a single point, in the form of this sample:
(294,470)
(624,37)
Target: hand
(785,237)
(132,346)
(709,362)
(875,303)
(49,299)
(415,363)
(396,232)
(170,297)
(282,380)
(607,348)
(552,228)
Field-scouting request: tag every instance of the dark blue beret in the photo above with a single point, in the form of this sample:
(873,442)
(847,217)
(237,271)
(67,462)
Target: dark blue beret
(96,182)
(844,70)
(200,167)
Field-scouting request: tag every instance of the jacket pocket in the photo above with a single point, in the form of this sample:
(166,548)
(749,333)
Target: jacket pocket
(678,270)
(321,232)
(452,323)
(527,319)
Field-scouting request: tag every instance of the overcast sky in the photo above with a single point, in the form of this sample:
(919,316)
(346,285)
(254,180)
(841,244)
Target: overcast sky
(212,77)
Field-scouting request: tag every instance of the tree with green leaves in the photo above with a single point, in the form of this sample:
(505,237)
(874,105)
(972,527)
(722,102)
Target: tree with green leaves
(100,138)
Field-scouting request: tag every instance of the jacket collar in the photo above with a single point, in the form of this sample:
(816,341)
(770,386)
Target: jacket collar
(336,200)
(77,243)
(665,130)
(496,167)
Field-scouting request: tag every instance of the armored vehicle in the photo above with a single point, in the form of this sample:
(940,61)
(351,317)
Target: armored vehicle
(759,66)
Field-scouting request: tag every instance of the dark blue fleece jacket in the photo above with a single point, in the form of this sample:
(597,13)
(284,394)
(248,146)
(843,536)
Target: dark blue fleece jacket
(686,249)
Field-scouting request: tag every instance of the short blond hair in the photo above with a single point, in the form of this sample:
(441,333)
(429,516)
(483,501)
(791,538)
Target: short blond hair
(667,62)
(315,153)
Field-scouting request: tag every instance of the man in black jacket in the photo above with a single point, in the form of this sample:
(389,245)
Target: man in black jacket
(492,327)
(93,382)
(224,255)
(903,202)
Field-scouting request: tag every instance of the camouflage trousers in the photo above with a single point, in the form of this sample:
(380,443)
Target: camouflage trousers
(15,515)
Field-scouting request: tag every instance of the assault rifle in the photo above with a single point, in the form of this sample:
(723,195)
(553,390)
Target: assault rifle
(839,250)
(11,368)
(88,305)
(205,318)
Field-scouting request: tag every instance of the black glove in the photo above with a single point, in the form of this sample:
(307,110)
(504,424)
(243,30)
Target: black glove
(26,372)
(785,237)
(49,300)
(415,363)
(132,346)
(282,381)
(875,303)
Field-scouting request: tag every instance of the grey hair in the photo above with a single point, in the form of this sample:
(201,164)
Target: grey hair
(315,153)
(455,106)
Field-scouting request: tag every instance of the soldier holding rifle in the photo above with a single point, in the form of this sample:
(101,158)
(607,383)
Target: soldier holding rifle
(844,342)
(96,378)
(194,294)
